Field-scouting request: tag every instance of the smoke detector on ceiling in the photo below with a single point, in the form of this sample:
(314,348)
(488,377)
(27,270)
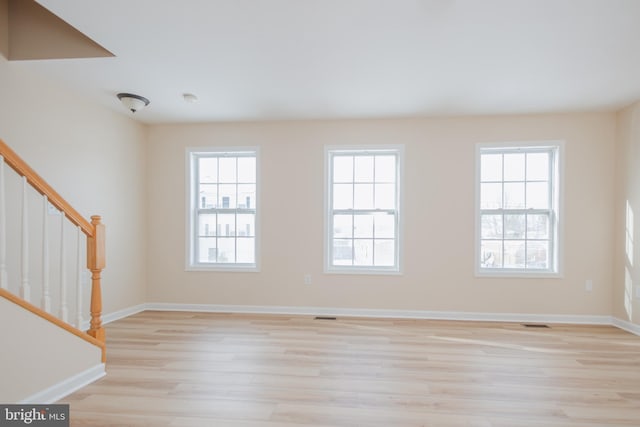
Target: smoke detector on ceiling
(190,98)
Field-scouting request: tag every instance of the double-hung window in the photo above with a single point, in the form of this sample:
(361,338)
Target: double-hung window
(223,209)
(518,209)
(363,209)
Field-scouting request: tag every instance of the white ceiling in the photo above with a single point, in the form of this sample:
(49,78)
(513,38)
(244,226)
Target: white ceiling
(296,59)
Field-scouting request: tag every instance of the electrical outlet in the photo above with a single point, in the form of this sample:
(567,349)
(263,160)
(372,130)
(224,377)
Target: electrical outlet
(307,279)
(588,285)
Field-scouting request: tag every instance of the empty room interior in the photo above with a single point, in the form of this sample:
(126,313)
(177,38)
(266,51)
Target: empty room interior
(321,213)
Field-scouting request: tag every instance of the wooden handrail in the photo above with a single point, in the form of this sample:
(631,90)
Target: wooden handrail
(41,186)
(35,310)
(94,231)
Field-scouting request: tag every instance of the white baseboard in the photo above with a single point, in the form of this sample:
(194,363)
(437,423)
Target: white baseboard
(116,315)
(382,313)
(626,325)
(66,387)
(121,314)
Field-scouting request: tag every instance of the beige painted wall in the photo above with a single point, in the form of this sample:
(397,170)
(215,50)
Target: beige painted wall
(626,269)
(101,162)
(94,158)
(25,337)
(438,245)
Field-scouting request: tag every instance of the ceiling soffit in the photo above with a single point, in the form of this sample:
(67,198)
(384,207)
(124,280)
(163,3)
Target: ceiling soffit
(28,31)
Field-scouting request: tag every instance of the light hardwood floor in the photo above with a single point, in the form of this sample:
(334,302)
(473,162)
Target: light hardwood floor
(203,369)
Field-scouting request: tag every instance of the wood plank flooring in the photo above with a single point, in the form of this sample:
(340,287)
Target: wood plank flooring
(203,369)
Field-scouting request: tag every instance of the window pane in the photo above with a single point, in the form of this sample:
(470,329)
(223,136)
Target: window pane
(342,252)
(343,169)
(246,196)
(385,196)
(516,208)
(491,254)
(363,226)
(384,253)
(343,226)
(491,167)
(514,167)
(385,168)
(363,252)
(537,226)
(343,196)
(226,225)
(207,225)
(226,250)
(227,169)
(514,227)
(227,196)
(363,196)
(208,196)
(364,168)
(538,254)
(246,250)
(225,203)
(208,169)
(207,249)
(491,196)
(384,226)
(491,227)
(537,195)
(537,166)
(246,224)
(363,217)
(514,195)
(514,254)
(247,169)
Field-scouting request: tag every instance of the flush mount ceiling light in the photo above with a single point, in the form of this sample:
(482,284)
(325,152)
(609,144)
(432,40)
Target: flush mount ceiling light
(133,102)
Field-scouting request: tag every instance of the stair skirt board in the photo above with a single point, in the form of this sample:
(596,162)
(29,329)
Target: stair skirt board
(66,387)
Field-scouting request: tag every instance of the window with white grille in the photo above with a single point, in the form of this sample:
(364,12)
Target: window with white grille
(223,209)
(518,209)
(363,209)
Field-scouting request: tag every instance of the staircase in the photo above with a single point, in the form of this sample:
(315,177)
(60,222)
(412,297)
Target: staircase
(48,255)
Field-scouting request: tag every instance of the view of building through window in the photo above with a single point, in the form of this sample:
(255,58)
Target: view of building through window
(518,208)
(363,209)
(225,216)
(518,201)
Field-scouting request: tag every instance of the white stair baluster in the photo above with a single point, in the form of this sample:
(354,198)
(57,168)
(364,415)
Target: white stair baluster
(79,280)
(25,288)
(4,281)
(64,309)
(46,297)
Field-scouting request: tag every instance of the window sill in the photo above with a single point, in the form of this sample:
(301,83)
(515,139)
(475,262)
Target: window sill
(363,271)
(223,269)
(518,274)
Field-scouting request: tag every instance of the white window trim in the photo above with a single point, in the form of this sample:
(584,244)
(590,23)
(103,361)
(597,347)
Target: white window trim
(190,215)
(559,203)
(364,270)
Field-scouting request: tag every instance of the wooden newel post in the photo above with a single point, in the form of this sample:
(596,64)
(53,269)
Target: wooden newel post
(95,263)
